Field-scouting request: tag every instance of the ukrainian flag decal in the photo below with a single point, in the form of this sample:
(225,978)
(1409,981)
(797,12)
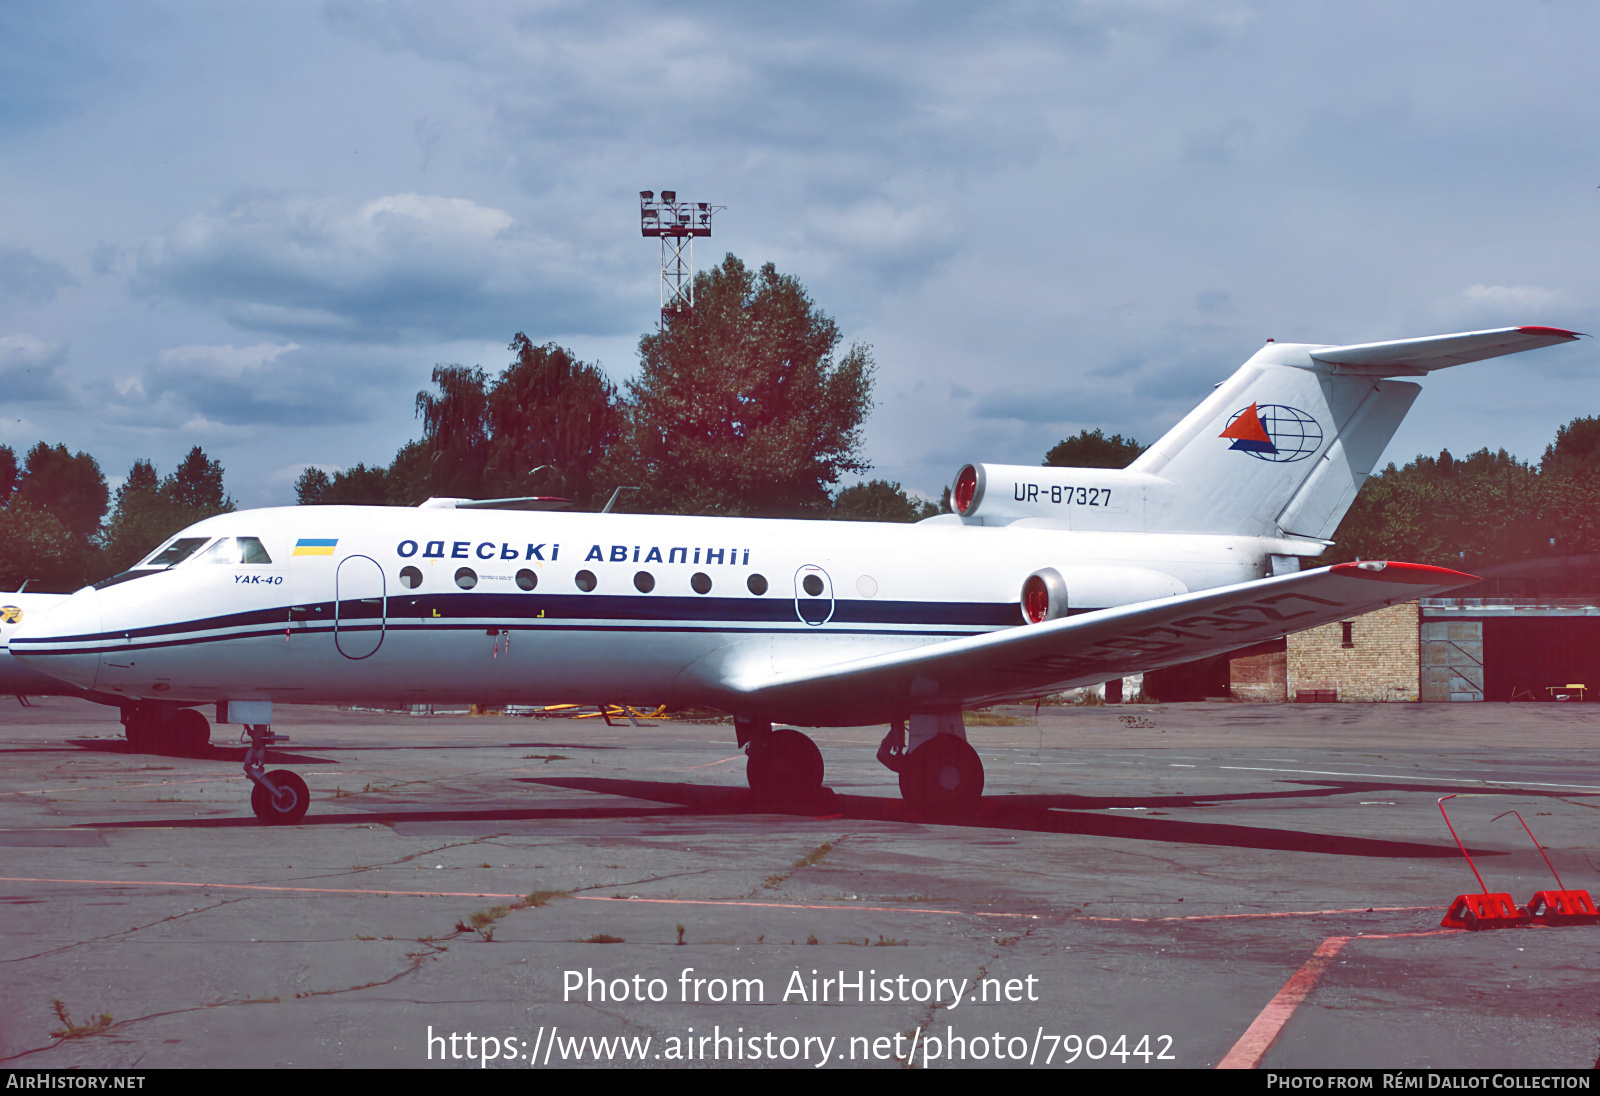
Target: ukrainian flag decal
(310,547)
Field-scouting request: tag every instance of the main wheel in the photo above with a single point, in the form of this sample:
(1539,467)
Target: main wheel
(189,733)
(785,768)
(942,777)
(288,806)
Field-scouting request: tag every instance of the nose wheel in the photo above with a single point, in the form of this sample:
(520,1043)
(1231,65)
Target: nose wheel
(285,803)
(279,798)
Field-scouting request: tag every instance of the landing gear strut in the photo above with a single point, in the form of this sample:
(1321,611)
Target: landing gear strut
(785,767)
(940,774)
(279,798)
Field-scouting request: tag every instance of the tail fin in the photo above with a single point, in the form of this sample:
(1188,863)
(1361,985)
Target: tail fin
(1279,449)
(1282,446)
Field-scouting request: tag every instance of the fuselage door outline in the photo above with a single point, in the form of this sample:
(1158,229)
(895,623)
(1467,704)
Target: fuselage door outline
(813,595)
(354,583)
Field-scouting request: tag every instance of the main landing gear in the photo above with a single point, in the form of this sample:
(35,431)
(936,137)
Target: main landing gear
(279,798)
(166,729)
(785,766)
(940,774)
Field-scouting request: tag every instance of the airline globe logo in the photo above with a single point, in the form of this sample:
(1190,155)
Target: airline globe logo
(1274,432)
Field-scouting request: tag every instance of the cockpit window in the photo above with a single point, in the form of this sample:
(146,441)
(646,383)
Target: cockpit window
(127,576)
(237,550)
(176,552)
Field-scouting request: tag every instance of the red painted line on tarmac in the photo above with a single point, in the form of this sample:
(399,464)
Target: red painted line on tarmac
(796,906)
(256,887)
(488,894)
(1250,916)
(709,764)
(1260,1035)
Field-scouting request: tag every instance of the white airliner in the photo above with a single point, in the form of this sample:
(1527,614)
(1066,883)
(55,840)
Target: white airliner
(1044,579)
(15,678)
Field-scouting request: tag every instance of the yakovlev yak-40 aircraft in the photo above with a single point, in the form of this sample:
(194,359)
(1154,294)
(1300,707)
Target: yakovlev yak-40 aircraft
(1043,579)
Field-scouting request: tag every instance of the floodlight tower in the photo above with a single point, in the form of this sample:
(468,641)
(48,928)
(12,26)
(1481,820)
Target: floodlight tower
(676,224)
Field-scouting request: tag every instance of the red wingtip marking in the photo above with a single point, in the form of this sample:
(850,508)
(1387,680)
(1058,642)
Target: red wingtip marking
(1418,574)
(1554,332)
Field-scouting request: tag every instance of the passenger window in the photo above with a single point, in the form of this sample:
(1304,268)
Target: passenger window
(644,582)
(466,578)
(251,550)
(585,581)
(410,577)
(526,579)
(700,583)
(757,584)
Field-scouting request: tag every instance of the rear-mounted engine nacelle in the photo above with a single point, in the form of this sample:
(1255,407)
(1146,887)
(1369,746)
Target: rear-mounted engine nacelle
(1080,498)
(1044,596)
(1049,594)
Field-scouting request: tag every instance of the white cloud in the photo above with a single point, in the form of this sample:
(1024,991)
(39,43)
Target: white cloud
(402,266)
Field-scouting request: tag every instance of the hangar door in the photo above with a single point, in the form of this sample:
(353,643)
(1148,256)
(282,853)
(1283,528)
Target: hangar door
(1452,660)
(1532,654)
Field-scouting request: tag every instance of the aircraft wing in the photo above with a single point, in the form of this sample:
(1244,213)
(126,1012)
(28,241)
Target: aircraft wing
(1419,356)
(1034,659)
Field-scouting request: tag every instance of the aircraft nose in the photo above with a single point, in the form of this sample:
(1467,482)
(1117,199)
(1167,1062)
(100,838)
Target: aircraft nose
(63,642)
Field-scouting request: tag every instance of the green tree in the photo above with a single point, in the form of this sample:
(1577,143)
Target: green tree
(880,500)
(455,431)
(548,409)
(409,475)
(1569,489)
(1474,512)
(1092,449)
(8,473)
(740,407)
(70,488)
(358,486)
(36,548)
(310,487)
(149,510)
(197,485)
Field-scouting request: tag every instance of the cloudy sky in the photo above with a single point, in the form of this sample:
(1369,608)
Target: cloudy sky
(257,227)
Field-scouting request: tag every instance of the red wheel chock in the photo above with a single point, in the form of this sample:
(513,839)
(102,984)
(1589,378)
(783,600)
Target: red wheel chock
(1563,907)
(1479,911)
(1557,907)
(1498,911)
(1484,911)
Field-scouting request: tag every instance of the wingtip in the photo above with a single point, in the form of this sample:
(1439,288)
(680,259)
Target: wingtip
(1553,332)
(1417,574)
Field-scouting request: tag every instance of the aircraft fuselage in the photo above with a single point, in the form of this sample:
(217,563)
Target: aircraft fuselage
(431,605)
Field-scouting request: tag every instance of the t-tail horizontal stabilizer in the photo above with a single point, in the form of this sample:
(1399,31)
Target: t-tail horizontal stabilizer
(1035,659)
(1282,446)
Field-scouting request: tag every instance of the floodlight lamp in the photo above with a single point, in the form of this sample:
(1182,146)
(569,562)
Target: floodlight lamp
(669,195)
(646,195)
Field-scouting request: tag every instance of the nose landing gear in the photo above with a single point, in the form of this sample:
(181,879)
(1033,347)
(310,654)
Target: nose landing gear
(279,798)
